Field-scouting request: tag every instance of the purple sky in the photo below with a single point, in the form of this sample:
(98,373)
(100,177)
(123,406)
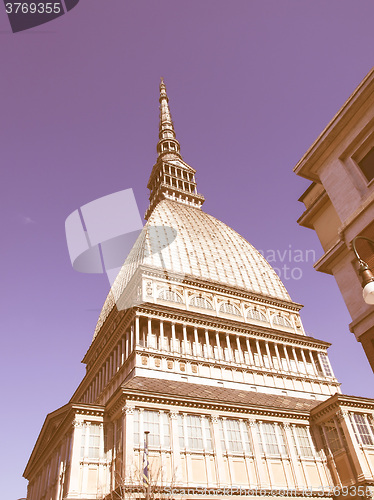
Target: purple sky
(251,85)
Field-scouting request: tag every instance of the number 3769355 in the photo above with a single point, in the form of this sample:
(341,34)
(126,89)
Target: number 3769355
(33,8)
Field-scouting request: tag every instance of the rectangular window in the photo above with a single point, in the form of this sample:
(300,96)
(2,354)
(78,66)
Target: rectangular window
(151,423)
(194,432)
(165,429)
(273,442)
(332,434)
(156,423)
(90,449)
(234,440)
(234,436)
(303,440)
(326,365)
(94,441)
(364,435)
(83,441)
(367,165)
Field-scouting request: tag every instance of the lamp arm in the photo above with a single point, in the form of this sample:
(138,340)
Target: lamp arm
(354,246)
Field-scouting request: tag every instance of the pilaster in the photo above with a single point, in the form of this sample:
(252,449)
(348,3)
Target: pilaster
(128,441)
(75,459)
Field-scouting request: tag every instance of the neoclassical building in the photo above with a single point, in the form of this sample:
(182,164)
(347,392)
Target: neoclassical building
(339,203)
(200,344)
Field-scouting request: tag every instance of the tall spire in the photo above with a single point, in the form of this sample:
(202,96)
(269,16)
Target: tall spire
(171,177)
(167,146)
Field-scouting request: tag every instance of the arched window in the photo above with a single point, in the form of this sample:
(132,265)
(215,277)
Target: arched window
(201,302)
(228,308)
(281,321)
(257,315)
(170,296)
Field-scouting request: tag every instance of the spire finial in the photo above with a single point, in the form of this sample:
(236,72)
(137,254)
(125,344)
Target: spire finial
(167,146)
(171,177)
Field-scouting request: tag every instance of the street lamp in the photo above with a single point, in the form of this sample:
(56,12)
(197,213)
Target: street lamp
(366,274)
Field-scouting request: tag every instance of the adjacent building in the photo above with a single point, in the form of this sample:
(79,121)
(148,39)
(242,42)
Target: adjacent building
(339,204)
(200,344)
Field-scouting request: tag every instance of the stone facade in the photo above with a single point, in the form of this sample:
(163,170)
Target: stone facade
(340,202)
(200,344)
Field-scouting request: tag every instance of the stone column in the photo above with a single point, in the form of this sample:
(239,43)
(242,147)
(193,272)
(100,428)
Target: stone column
(216,438)
(149,332)
(137,320)
(176,471)
(249,351)
(161,335)
(293,456)
(185,339)
(173,337)
(218,346)
(278,356)
(124,348)
(295,359)
(287,358)
(260,470)
(207,343)
(132,339)
(269,355)
(228,344)
(313,363)
(196,338)
(304,361)
(258,348)
(241,358)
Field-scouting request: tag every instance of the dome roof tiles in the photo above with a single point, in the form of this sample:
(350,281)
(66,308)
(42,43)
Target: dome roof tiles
(185,240)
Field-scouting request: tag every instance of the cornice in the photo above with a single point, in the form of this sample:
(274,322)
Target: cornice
(338,401)
(305,220)
(362,95)
(46,443)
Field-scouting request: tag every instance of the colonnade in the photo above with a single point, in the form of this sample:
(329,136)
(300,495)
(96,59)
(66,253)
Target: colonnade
(194,342)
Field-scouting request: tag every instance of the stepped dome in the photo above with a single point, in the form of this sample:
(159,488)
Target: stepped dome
(190,242)
(180,238)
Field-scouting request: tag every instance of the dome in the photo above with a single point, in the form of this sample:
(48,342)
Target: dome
(185,240)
